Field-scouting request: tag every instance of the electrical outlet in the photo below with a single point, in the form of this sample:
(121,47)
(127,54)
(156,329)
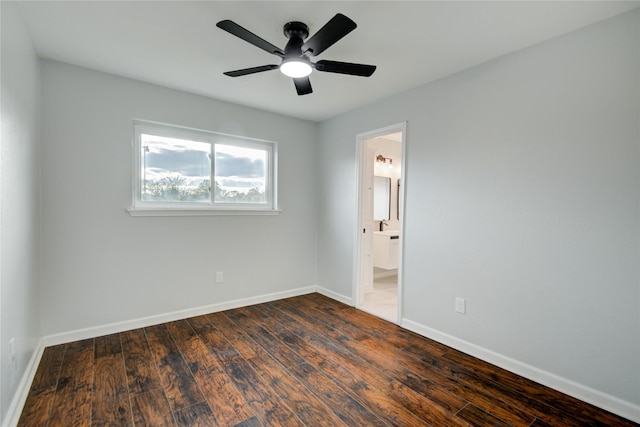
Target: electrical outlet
(219,277)
(461,306)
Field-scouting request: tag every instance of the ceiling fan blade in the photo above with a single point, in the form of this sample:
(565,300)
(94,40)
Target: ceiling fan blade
(303,85)
(252,70)
(337,27)
(246,35)
(345,68)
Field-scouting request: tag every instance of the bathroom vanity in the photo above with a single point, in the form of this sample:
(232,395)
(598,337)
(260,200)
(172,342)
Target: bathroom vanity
(386,246)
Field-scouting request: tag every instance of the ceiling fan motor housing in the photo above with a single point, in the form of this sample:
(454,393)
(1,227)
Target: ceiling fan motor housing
(296,32)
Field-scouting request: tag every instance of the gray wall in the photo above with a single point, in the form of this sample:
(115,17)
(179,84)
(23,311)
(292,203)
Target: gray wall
(522,196)
(19,196)
(100,265)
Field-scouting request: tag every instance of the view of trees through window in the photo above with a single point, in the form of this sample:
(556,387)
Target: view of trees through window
(179,170)
(240,174)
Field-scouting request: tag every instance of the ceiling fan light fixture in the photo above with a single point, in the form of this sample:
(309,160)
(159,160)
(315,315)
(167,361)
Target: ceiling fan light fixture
(295,68)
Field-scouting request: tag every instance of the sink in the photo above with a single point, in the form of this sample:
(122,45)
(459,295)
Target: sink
(388,232)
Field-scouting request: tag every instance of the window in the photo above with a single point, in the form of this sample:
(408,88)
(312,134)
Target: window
(181,171)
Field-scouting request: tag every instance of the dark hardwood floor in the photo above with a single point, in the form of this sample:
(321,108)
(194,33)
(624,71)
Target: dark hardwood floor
(307,361)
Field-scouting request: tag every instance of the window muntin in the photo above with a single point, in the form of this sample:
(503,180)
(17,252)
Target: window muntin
(174,169)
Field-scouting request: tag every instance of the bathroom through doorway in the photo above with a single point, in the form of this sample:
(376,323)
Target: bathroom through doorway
(378,260)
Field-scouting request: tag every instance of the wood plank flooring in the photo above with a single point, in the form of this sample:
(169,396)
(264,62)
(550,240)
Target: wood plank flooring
(303,361)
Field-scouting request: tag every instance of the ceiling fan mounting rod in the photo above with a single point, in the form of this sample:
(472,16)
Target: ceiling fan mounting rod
(296,32)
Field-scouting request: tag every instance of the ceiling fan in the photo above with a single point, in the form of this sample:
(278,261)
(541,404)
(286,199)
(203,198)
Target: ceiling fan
(296,56)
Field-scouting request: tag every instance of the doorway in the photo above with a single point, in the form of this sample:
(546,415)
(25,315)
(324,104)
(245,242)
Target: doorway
(377,284)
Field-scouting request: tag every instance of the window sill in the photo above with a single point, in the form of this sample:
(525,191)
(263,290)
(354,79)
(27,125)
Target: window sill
(199,212)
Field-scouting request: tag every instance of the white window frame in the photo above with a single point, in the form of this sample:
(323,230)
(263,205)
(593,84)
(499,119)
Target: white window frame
(140,207)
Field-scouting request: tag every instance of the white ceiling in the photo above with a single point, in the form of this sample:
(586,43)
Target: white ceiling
(177,44)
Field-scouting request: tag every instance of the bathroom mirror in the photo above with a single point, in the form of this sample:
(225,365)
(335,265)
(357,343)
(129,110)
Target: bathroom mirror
(381,196)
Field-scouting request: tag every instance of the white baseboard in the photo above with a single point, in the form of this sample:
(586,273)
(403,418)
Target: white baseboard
(128,325)
(597,398)
(20,397)
(335,296)
(385,273)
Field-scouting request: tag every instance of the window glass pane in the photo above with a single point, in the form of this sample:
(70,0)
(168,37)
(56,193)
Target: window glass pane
(240,174)
(175,170)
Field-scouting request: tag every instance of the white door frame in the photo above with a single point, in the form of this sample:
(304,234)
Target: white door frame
(361,226)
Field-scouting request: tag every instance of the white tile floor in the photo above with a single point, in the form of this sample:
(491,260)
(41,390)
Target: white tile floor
(382,300)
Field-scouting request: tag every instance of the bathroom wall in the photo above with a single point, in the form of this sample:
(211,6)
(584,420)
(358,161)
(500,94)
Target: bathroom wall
(392,150)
